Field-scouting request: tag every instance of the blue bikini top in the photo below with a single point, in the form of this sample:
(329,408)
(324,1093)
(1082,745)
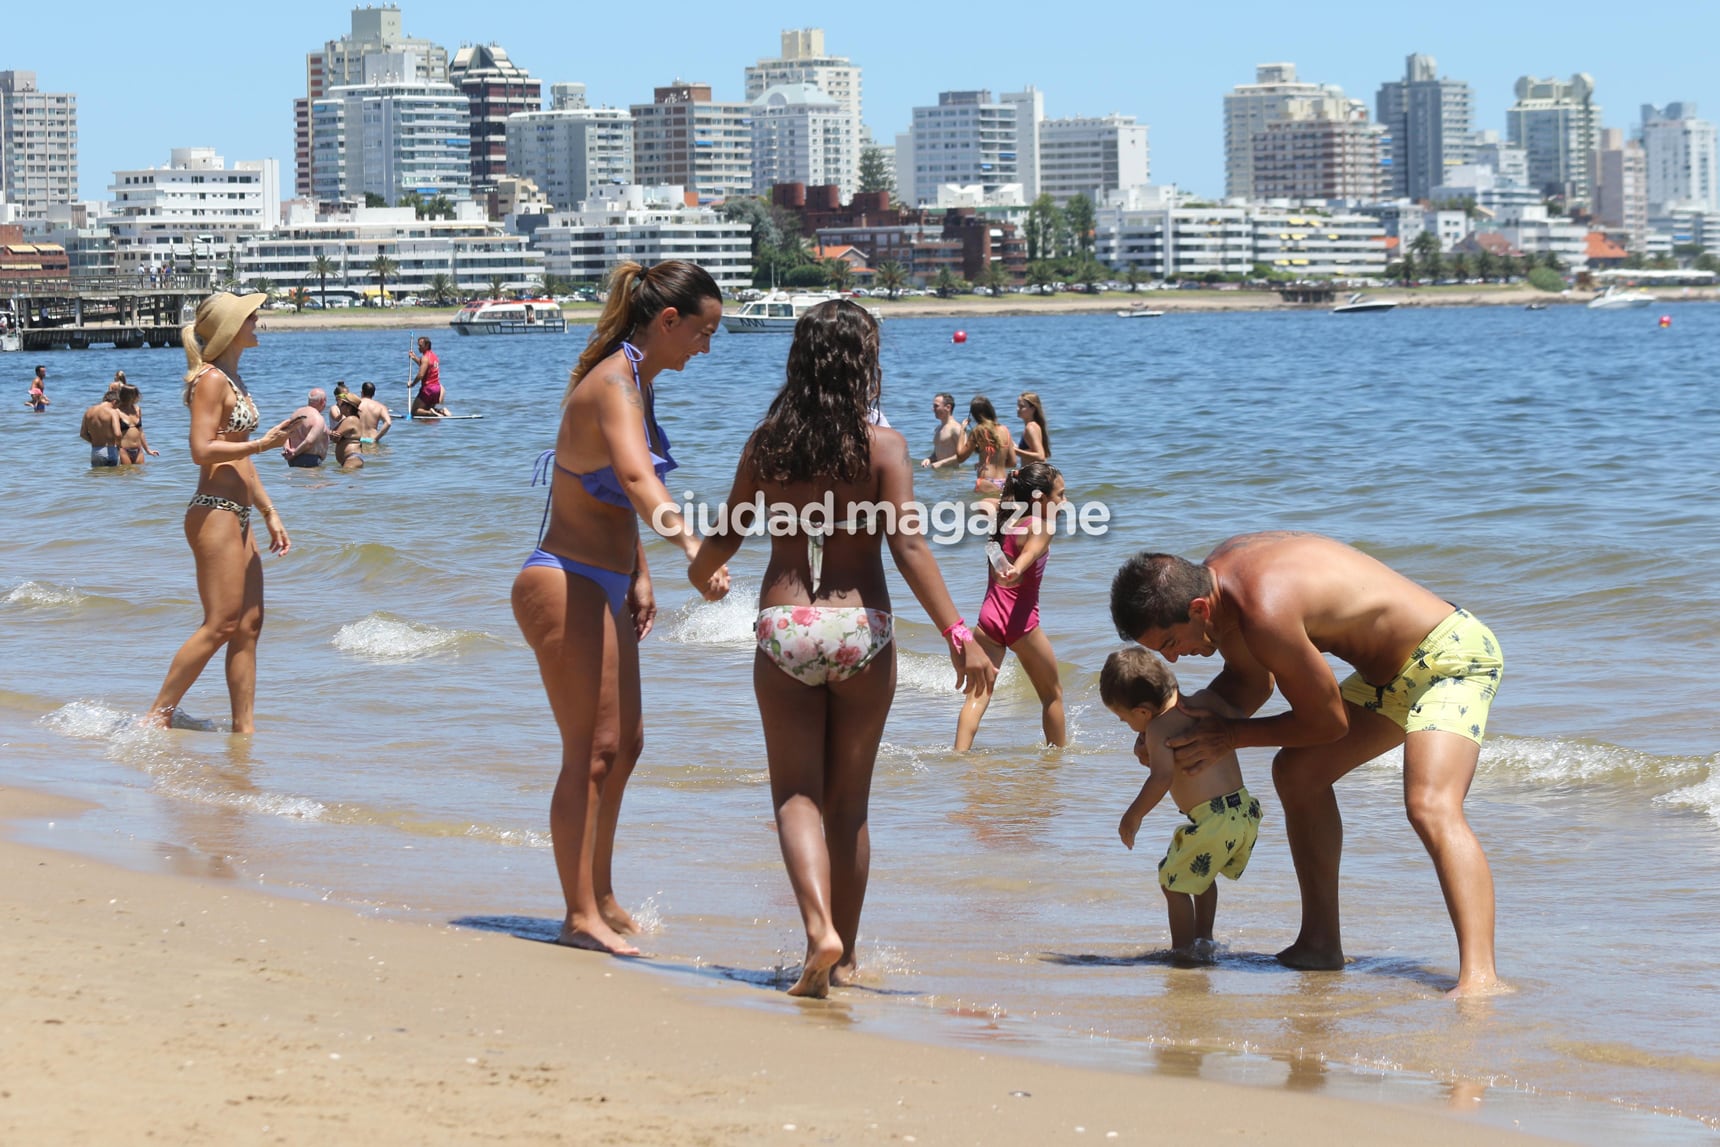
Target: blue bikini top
(602,483)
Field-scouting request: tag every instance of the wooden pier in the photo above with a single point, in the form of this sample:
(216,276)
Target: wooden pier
(84,311)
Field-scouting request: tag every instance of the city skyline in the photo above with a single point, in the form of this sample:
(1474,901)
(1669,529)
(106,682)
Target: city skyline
(130,115)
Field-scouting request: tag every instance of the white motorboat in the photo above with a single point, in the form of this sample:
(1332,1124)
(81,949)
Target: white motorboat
(1140,311)
(510,317)
(777,311)
(1613,299)
(11,340)
(1359,304)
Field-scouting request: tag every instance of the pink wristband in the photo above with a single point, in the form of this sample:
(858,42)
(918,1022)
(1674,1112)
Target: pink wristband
(959,634)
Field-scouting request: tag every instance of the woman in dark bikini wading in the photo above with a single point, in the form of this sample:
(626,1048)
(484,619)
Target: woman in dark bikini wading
(825,669)
(133,446)
(218,521)
(583,599)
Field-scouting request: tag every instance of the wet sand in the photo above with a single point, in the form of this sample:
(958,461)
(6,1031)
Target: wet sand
(156,1007)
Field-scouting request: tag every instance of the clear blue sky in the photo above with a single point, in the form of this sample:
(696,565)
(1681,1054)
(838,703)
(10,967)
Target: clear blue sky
(194,73)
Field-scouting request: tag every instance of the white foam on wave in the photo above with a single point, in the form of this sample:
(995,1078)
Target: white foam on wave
(933,674)
(1703,797)
(38,594)
(86,719)
(530,838)
(1560,762)
(381,637)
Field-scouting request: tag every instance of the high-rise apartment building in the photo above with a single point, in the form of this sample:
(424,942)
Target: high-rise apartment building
(966,139)
(684,138)
(38,146)
(1091,156)
(391,135)
(1621,191)
(1311,153)
(801,135)
(1558,123)
(804,61)
(1682,158)
(1029,116)
(375,31)
(1508,161)
(1427,121)
(1249,108)
(570,152)
(496,88)
(194,208)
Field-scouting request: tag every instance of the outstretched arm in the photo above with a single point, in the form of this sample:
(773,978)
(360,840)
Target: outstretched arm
(725,541)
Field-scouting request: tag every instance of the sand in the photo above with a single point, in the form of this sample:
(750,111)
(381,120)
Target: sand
(434,321)
(152,1008)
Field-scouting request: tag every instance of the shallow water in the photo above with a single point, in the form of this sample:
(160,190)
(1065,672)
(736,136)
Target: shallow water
(1554,472)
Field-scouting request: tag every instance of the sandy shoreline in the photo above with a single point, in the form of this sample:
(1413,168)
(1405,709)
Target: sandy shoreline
(149,1007)
(433,320)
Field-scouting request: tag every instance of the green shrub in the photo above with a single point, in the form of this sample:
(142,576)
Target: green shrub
(1546,279)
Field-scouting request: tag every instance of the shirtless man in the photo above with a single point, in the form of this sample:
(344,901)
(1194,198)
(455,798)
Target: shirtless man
(948,438)
(373,417)
(39,400)
(307,438)
(101,429)
(1426,673)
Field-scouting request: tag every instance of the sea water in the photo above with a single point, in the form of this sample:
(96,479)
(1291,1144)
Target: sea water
(1554,472)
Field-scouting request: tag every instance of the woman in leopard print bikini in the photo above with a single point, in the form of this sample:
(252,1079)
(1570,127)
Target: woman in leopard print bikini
(218,522)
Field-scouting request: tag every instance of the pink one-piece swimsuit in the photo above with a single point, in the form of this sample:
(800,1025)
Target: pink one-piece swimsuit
(1012,612)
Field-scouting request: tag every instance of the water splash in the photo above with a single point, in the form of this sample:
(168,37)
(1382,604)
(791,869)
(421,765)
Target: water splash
(384,637)
(38,594)
(728,622)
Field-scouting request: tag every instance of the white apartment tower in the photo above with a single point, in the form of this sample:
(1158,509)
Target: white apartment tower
(1250,108)
(1029,115)
(38,145)
(1558,123)
(801,135)
(391,135)
(571,151)
(194,208)
(684,138)
(966,139)
(1091,156)
(1621,190)
(804,61)
(1427,121)
(375,31)
(1683,165)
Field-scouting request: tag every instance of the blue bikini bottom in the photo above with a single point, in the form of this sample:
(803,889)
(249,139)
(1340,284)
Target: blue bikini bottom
(614,584)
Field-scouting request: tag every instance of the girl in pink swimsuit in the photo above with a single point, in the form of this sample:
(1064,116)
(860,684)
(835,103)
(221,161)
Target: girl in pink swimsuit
(1009,618)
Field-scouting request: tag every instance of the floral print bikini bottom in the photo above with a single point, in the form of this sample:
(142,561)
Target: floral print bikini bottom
(820,644)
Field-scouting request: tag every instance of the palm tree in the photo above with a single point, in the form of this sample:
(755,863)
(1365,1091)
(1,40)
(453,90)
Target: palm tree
(441,207)
(1486,265)
(1425,248)
(840,273)
(442,289)
(265,288)
(322,267)
(892,276)
(298,296)
(1133,275)
(1090,274)
(498,285)
(944,283)
(996,279)
(1041,275)
(384,269)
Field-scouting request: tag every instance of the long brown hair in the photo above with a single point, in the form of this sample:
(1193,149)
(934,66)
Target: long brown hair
(818,425)
(983,433)
(636,296)
(1032,399)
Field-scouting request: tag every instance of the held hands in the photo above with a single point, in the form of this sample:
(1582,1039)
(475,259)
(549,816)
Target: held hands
(1209,739)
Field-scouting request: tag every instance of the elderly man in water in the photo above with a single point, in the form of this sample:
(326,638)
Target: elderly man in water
(307,438)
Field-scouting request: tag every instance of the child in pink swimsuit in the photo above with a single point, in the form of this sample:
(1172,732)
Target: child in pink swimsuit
(1009,618)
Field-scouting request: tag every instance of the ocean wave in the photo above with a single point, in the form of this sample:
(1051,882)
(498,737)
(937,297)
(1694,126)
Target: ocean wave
(86,720)
(728,622)
(37,594)
(1703,797)
(1561,762)
(384,637)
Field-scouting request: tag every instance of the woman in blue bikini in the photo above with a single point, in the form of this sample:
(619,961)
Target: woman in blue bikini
(825,669)
(583,598)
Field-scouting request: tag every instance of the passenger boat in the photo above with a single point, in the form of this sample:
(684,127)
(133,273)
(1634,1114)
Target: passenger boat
(777,311)
(1359,304)
(510,317)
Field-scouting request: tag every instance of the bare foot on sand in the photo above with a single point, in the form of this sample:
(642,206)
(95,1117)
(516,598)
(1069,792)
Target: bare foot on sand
(1307,958)
(617,917)
(598,939)
(821,956)
(156,719)
(1477,986)
(845,972)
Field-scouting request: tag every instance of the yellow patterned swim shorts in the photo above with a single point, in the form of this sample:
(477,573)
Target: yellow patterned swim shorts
(1448,683)
(1219,837)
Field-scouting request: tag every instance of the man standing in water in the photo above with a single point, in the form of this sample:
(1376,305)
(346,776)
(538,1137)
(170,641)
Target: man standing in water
(427,403)
(949,436)
(307,437)
(1426,673)
(373,417)
(101,429)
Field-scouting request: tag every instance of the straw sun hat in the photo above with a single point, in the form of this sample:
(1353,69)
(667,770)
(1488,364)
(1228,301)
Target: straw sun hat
(219,319)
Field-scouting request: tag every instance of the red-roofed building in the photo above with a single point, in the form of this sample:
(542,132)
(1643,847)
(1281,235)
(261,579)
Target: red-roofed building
(1603,252)
(1489,241)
